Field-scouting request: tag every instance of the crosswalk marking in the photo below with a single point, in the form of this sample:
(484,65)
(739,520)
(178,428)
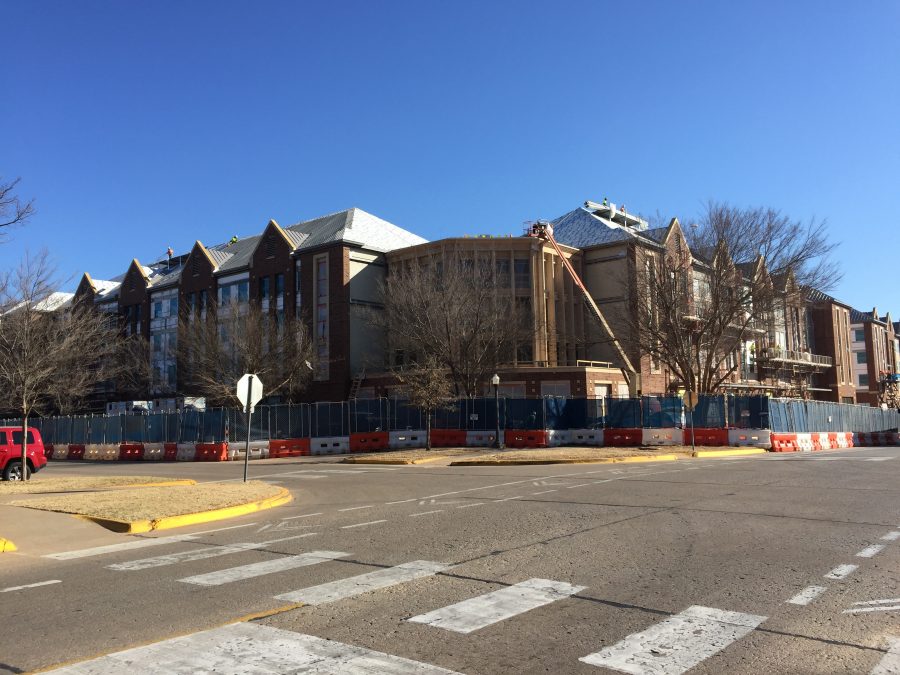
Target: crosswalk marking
(199,554)
(870,551)
(363,583)
(807,595)
(885,605)
(250,648)
(10,589)
(891,536)
(677,644)
(890,662)
(471,615)
(841,571)
(232,574)
(124,546)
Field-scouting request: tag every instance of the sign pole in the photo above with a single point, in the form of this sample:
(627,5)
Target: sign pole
(249,410)
(693,449)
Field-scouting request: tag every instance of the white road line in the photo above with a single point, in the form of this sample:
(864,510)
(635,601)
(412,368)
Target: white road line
(199,554)
(890,662)
(870,551)
(305,515)
(572,487)
(677,644)
(469,506)
(357,508)
(425,513)
(371,522)
(841,571)
(243,572)
(807,595)
(124,546)
(886,601)
(251,648)
(862,610)
(544,492)
(40,583)
(363,583)
(891,536)
(402,501)
(476,613)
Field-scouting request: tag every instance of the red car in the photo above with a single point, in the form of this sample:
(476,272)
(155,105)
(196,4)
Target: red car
(11,453)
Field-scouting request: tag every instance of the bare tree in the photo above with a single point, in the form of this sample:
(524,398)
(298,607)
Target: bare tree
(215,350)
(785,244)
(700,310)
(13,211)
(132,365)
(427,386)
(457,314)
(45,344)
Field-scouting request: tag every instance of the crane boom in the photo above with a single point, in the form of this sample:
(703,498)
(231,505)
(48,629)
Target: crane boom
(544,231)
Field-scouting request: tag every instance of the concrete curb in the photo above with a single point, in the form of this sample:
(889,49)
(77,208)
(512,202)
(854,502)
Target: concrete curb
(169,522)
(405,462)
(599,460)
(6,546)
(730,453)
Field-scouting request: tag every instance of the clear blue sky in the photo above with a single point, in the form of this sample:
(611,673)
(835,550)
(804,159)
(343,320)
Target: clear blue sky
(137,126)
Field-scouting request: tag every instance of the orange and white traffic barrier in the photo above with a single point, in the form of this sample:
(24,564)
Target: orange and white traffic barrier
(782,442)
(805,442)
(750,438)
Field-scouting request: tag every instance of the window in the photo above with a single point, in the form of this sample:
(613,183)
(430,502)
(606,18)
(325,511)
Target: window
(189,303)
(859,335)
(157,342)
(522,270)
(201,301)
(224,295)
(264,288)
(863,380)
(157,309)
(243,291)
(173,306)
(861,357)
(503,279)
(17,437)
(279,285)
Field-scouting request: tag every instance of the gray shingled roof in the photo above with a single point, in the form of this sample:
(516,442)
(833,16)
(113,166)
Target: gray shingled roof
(857,316)
(582,229)
(240,251)
(162,276)
(218,256)
(354,226)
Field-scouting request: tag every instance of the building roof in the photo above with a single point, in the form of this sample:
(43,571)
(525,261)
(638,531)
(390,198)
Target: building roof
(353,226)
(238,254)
(857,316)
(582,229)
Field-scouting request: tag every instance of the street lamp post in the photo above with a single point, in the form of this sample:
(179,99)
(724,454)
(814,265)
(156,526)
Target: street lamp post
(495,380)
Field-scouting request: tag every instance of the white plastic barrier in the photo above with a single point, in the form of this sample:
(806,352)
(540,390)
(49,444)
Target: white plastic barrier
(329,445)
(101,452)
(804,442)
(187,452)
(481,439)
(824,441)
(844,439)
(154,452)
(559,437)
(750,438)
(258,449)
(60,451)
(411,438)
(668,436)
(593,437)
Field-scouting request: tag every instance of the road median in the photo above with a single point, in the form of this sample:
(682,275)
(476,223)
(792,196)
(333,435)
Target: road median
(159,508)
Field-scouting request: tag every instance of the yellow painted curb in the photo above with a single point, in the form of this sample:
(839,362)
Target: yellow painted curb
(603,460)
(730,453)
(6,546)
(169,522)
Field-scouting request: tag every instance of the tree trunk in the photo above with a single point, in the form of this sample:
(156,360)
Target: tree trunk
(428,430)
(24,447)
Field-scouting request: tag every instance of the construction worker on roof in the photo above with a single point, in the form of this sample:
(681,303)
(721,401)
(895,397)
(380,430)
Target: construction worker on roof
(605,202)
(233,240)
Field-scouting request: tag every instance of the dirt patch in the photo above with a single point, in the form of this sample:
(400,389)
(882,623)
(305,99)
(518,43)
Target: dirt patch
(153,503)
(414,456)
(44,485)
(562,455)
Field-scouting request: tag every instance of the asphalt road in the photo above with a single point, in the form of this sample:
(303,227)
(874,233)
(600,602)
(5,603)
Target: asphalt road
(762,564)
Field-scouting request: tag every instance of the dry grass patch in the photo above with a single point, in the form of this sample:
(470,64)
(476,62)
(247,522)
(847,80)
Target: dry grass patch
(82,484)
(153,503)
(411,456)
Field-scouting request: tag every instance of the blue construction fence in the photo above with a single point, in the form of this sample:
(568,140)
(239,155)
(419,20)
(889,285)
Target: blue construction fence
(311,420)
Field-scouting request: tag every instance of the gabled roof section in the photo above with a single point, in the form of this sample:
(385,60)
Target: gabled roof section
(234,255)
(354,226)
(856,316)
(814,295)
(282,234)
(583,228)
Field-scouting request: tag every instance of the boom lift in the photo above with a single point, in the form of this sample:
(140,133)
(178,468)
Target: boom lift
(544,231)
